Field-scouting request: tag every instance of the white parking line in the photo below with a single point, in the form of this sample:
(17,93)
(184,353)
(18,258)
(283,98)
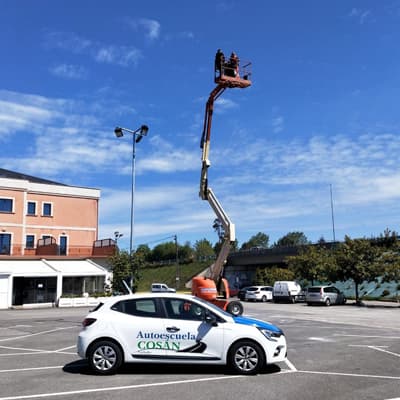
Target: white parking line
(290,365)
(378,348)
(109,389)
(368,336)
(25,351)
(384,351)
(31,369)
(36,334)
(352,375)
(65,348)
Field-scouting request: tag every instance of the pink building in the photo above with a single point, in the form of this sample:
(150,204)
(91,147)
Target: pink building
(48,240)
(36,212)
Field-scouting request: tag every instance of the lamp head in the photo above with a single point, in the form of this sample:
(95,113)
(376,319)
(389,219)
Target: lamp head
(118,132)
(143,130)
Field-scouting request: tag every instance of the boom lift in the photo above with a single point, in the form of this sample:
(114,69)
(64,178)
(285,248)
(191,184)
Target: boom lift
(213,287)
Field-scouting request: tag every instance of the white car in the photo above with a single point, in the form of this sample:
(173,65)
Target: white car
(176,328)
(161,287)
(259,293)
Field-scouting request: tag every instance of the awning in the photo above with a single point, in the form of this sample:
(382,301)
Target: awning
(76,267)
(28,268)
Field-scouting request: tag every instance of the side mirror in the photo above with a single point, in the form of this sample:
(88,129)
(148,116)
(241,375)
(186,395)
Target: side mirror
(210,319)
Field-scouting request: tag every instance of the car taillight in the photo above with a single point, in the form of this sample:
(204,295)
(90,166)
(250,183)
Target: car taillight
(88,321)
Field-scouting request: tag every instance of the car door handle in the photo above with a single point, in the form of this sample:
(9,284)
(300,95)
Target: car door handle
(172,329)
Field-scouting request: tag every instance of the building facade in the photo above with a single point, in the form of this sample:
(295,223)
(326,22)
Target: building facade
(48,241)
(35,212)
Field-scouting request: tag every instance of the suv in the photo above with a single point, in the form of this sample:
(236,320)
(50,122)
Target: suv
(324,295)
(161,287)
(259,293)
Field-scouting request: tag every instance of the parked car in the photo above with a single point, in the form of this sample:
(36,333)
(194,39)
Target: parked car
(287,291)
(242,293)
(324,295)
(176,328)
(161,287)
(259,293)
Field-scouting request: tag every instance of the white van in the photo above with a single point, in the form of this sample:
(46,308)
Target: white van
(287,291)
(161,287)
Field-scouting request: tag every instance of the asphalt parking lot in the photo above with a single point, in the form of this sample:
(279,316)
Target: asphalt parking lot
(342,352)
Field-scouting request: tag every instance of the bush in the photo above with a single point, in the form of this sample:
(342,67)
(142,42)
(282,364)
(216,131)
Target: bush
(385,293)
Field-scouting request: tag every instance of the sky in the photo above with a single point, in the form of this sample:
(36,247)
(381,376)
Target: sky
(311,146)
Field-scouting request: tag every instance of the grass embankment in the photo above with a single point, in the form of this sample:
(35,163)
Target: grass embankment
(167,274)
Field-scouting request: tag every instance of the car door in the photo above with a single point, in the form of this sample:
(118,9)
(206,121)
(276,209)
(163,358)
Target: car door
(139,325)
(190,337)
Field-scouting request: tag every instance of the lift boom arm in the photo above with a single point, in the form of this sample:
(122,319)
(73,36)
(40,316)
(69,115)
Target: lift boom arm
(206,193)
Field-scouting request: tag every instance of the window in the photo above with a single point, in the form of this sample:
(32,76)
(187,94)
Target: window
(5,243)
(31,208)
(30,241)
(47,210)
(63,245)
(184,309)
(6,205)
(138,307)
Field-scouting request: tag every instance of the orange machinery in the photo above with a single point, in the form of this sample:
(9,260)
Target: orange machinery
(213,287)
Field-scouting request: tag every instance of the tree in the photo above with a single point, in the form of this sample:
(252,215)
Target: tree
(145,251)
(203,250)
(258,240)
(122,270)
(313,263)
(186,252)
(219,229)
(164,251)
(269,275)
(292,239)
(358,259)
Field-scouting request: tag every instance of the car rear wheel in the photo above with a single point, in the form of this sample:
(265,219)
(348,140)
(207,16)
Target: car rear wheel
(235,308)
(246,357)
(105,357)
(264,299)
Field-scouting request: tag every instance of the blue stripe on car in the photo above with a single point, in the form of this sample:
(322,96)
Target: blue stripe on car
(257,323)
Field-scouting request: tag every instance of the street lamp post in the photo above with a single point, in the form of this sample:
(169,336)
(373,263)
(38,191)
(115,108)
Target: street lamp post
(137,136)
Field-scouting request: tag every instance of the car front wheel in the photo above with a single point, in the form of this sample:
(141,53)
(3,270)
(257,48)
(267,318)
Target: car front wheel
(264,299)
(246,357)
(105,357)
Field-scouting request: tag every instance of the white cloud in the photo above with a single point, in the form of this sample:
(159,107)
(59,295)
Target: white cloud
(360,15)
(69,71)
(99,52)
(151,26)
(277,124)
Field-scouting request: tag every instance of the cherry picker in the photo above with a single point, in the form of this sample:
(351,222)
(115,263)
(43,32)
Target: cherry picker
(213,287)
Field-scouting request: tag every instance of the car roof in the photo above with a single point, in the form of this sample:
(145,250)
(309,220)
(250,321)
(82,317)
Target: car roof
(113,299)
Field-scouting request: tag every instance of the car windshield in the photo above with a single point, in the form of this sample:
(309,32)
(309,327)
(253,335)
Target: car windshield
(252,289)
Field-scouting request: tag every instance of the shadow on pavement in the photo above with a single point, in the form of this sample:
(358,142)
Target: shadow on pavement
(82,367)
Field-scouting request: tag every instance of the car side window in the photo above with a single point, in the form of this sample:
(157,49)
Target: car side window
(138,307)
(184,309)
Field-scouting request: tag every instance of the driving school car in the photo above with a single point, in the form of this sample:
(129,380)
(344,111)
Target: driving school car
(176,328)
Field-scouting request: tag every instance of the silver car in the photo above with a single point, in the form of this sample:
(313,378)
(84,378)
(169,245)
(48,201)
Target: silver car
(324,295)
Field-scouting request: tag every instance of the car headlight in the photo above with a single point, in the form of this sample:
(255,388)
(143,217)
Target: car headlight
(271,335)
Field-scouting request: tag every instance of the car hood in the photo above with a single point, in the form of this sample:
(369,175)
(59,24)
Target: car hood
(257,323)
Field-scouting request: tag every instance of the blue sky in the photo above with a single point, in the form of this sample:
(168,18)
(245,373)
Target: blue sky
(322,110)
